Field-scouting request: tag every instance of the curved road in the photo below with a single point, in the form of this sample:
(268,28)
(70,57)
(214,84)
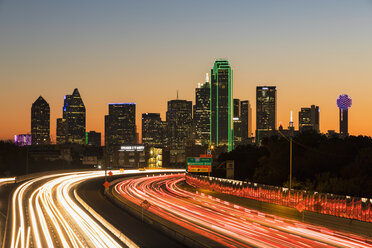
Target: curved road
(46,212)
(230,225)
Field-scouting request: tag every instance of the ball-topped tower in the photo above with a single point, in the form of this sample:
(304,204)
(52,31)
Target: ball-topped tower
(344,103)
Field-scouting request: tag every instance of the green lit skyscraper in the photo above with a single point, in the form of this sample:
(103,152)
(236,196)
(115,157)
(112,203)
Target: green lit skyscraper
(222,104)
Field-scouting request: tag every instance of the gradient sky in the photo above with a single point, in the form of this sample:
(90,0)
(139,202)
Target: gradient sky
(144,51)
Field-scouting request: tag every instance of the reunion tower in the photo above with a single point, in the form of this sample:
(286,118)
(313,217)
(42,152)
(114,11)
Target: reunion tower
(344,103)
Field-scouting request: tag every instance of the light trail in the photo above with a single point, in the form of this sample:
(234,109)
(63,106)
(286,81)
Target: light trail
(229,224)
(46,214)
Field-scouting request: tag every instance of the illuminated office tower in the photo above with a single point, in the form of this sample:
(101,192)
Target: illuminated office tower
(202,112)
(40,122)
(237,123)
(71,127)
(153,129)
(265,111)
(246,119)
(222,105)
(236,108)
(61,134)
(308,118)
(120,124)
(179,123)
(344,103)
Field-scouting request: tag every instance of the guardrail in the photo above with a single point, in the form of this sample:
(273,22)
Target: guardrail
(336,205)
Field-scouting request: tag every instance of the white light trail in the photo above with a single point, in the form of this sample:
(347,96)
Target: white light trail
(52,208)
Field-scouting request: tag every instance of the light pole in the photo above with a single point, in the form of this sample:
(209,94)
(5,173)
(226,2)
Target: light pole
(290,140)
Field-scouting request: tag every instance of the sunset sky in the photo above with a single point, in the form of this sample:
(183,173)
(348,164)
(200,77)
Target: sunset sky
(144,51)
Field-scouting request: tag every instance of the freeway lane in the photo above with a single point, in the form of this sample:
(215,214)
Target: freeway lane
(46,213)
(230,225)
(140,233)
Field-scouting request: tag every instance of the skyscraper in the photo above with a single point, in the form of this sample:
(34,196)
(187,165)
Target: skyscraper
(265,111)
(153,129)
(61,131)
(120,124)
(236,108)
(237,123)
(40,122)
(308,118)
(71,127)
(246,119)
(222,104)
(344,103)
(179,123)
(202,112)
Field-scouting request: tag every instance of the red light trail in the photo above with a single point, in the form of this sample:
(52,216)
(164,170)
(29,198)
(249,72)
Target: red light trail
(227,223)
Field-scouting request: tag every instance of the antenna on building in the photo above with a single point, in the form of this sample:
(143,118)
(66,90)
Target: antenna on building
(291,121)
(207,78)
(177,94)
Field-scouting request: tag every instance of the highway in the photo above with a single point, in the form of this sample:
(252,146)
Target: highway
(47,212)
(228,224)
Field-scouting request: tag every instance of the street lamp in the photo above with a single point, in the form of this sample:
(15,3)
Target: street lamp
(290,157)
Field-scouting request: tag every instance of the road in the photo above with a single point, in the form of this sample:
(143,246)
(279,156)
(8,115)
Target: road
(46,212)
(230,225)
(143,234)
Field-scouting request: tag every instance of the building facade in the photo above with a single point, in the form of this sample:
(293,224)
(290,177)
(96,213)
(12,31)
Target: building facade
(22,140)
(71,127)
(202,112)
(153,130)
(265,111)
(179,124)
(246,120)
(221,92)
(40,122)
(308,119)
(120,124)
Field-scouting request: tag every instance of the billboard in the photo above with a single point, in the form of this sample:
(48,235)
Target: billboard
(197,164)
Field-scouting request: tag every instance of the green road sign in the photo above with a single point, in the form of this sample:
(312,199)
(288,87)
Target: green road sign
(199,161)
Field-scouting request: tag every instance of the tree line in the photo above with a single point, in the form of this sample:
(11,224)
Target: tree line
(320,163)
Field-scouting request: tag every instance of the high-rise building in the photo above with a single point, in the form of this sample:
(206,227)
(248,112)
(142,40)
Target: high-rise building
(71,127)
(153,130)
(93,138)
(202,112)
(179,123)
(265,111)
(61,131)
(246,120)
(120,124)
(222,105)
(236,108)
(40,122)
(344,103)
(237,123)
(308,118)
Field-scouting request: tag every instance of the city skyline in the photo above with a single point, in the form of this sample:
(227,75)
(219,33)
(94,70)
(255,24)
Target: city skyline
(311,52)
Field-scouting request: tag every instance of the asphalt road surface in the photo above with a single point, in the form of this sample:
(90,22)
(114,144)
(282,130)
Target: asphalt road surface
(229,224)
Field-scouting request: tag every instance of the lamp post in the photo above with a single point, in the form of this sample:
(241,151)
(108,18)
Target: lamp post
(290,140)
